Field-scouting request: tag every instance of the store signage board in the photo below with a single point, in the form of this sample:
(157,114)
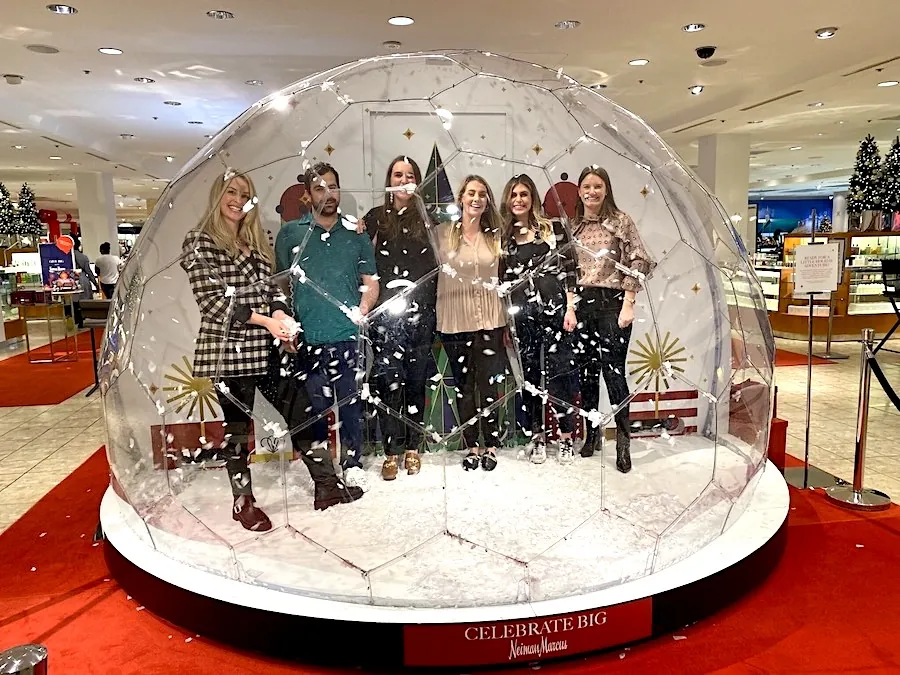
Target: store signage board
(817,268)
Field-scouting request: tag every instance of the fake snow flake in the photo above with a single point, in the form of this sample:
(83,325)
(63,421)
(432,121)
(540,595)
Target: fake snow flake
(679,637)
(413,410)
(230,291)
(325,236)
(860,546)
(34,569)
(190,639)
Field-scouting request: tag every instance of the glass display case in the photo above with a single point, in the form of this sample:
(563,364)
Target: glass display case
(770,279)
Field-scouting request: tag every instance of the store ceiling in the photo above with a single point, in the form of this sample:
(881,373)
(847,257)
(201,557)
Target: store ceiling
(77,103)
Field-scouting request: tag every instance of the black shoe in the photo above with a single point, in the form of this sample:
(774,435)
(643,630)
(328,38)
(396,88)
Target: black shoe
(590,444)
(331,493)
(489,460)
(623,451)
(470,461)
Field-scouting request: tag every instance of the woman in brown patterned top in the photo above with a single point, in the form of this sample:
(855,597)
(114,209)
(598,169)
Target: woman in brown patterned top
(471,319)
(612,263)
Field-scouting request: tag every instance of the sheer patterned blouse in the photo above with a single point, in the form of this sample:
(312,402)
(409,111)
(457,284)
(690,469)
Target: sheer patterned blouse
(602,245)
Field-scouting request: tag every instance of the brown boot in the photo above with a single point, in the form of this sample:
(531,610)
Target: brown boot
(329,493)
(412,462)
(249,515)
(389,468)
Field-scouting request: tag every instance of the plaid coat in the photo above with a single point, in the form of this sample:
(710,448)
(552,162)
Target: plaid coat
(227,292)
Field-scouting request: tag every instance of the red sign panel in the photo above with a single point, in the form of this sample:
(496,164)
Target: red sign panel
(526,640)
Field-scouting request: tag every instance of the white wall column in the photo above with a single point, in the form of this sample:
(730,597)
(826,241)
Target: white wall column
(96,212)
(724,165)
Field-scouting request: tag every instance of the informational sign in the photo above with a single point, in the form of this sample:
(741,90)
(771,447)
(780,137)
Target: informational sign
(527,640)
(817,268)
(58,267)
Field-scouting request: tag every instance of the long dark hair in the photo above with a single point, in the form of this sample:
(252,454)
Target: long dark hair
(536,219)
(393,223)
(609,209)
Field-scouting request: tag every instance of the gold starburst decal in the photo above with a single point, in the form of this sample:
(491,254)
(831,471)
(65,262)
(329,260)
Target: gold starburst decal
(645,191)
(696,288)
(650,359)
(329,149)
(196,392)
(409,133)
(537,148)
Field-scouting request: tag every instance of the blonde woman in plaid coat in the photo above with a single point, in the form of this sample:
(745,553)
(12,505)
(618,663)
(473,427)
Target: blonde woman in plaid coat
(229,263)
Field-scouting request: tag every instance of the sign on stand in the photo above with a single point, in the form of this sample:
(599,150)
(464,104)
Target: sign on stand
(817,268)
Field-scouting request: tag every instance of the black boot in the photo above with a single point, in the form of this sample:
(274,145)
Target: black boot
(329,489)
(591,442)
(623,445)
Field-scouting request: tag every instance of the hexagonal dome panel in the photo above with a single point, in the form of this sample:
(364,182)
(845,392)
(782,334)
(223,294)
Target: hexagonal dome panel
(463,404)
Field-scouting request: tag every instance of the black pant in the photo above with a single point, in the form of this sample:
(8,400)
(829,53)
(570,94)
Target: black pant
(288,397)
(601,349)
(478,361)
(237,427)
(538,332)
(108,290)
(402,352)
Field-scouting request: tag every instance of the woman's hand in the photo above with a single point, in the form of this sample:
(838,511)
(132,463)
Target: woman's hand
(626,314)
(278,329)
(570,322)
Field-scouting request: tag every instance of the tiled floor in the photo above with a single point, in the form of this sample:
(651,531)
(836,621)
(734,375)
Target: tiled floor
(41,445)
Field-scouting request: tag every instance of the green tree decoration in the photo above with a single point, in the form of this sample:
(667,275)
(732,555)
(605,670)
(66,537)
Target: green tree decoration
(890,179)
(864,183)
(29,223)
(8,218)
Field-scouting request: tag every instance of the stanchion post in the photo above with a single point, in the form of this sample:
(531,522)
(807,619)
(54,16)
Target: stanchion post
(828,354)
(855,496)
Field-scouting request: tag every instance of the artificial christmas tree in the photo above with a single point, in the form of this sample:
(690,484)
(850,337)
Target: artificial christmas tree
(865,192)
(890,183)
(29,224)
(8,218)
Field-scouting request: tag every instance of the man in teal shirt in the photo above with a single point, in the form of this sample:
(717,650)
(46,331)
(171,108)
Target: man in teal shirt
(334,286)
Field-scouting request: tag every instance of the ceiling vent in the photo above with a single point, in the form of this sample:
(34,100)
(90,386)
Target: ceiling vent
(771,100)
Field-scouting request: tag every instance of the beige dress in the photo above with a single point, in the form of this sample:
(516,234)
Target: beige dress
(467,295)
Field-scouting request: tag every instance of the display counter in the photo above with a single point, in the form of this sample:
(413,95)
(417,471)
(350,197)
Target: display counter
(858,302)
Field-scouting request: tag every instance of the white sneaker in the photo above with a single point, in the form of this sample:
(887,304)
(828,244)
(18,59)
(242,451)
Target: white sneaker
(539,453)
(566,451)
(356,477)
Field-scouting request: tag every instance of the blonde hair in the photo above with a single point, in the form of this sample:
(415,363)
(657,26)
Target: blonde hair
(536,218)
(250,232)
(490,220)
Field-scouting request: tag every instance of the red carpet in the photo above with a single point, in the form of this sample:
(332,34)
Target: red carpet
(785,358)
(801,620)
(24,383)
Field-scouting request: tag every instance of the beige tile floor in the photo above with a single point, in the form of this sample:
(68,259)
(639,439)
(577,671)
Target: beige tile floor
(41,445)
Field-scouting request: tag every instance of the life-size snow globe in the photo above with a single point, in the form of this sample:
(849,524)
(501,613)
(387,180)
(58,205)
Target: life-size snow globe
(499,347)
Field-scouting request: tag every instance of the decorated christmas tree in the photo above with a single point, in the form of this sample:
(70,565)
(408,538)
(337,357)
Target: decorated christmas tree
(865,192)
(8,219)
(29,224)
(890,179)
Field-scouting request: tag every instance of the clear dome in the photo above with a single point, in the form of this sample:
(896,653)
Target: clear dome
(698,363)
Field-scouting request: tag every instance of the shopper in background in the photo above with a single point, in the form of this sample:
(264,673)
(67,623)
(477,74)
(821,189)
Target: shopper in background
(87,279)
(108,267)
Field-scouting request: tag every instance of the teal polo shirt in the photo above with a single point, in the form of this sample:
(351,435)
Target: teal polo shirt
(335,263)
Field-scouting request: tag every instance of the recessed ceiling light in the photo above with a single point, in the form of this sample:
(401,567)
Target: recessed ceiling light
(254,83)
(42,49)
(755,122)
(888,83)
(18,147)
(154,188)
(75,164)
(126,136)
(826,33)
(176,103)
(110,51)
(222,14)
(817,104)
(693,27)
(55,157)
(144,80)
(639,62)
(696,89)
(599,85)
(391,45)
(568,24)
(62,9)
(401,21)
(796,147)
(169,158)
(195,122)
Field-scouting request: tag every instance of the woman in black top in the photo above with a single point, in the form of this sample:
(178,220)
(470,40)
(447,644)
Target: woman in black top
(540,271)
(403,332)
